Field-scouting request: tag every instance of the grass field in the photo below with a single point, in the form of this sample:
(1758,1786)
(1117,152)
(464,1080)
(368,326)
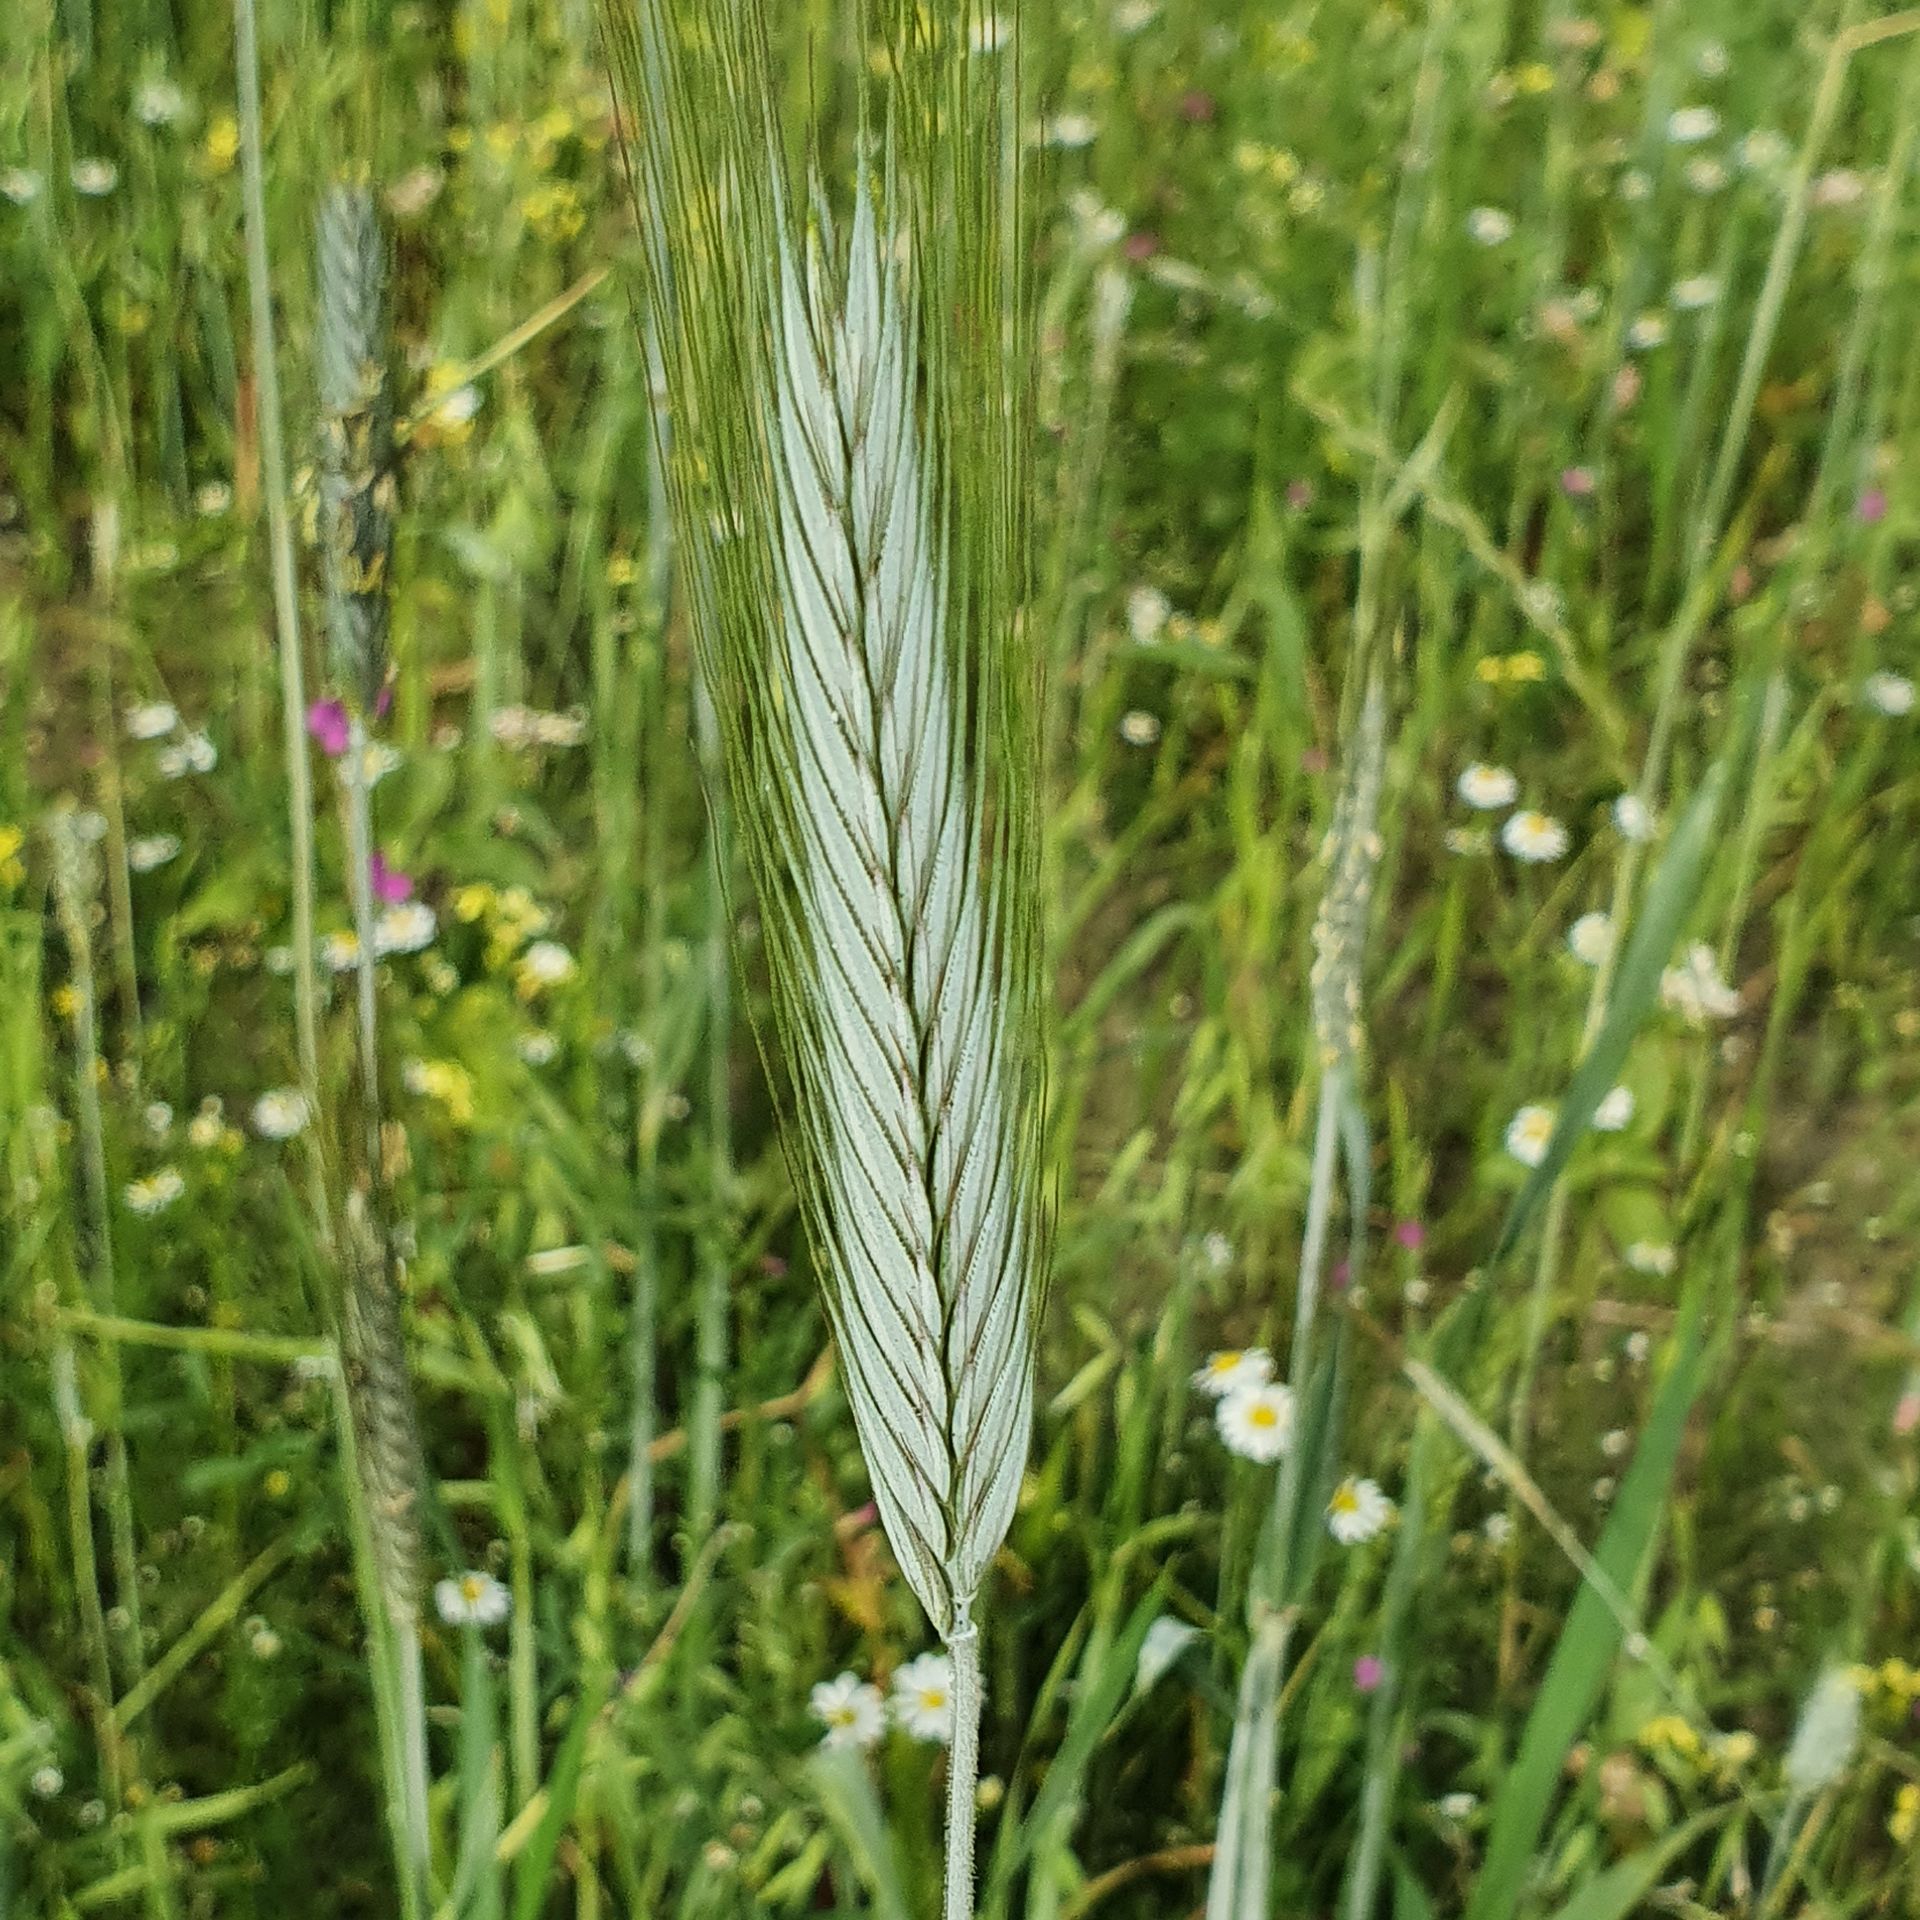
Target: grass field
(1563,363)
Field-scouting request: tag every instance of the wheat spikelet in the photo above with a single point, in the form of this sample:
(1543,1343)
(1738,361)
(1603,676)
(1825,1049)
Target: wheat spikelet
(380,1400)
(1352,853)
(356,439)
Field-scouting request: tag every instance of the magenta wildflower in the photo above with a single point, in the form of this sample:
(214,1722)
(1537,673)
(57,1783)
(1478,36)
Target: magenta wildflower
(1368,1671)
(1140,245)
(1410,1234)
(389,883)
(327,722)
(1577,483)
(1871,507)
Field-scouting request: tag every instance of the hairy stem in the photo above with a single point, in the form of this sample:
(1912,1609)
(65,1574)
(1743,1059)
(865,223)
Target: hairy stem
(963,1768)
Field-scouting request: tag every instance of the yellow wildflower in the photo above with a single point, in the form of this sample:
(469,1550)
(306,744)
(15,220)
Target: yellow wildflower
(222,143)
(445,1082)
(1535,77)
(66,1003)
(1670,1731)
(12,871)
(621,571)
(554,211)
(470,902)
(1903,1824)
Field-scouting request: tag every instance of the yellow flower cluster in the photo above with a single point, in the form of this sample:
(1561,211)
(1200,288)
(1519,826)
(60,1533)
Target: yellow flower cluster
(446,1082)
(1667,1735)
(221,147)
(1510,669)
(12,870)
(554,210)
(1893,1683)
(511,917)
(1903,1823)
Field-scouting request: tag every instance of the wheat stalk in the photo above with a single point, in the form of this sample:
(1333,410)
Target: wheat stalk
(848,475)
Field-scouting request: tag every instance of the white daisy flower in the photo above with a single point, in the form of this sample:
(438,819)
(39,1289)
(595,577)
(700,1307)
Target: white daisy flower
(1696,291)
(191,753)
(456,408)
(154,850)
(1457,1806)
(537,1049)
(851,1710)
(21,185)
(473,1600)
(1357,1512)
(1533,836)
(158,1191)
(159,103)
(157,1118)
(1839,187)
(404,928)
(1647,332)
(1487,788)
(1139,728)
(545,964)
(1712,60)
(1490,226)
(1688,126)
(1233,1369)
(1528,1133)
(340,952)
(1695,990)
(1633,819)
(923,1698)
(1147,612)
(46,1781)
(213,499)
(153,721)
(1614,1111)
(1498,1527)
(1218,1251)
(1705,174)
(95,178)
(1888,693)
(280,1114)
(1257,1422)
(1651,1256)
(1635,185)
(1590,938)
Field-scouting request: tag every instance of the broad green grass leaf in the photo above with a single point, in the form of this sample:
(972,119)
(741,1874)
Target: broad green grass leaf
(1670,899)
(1587,1646)
(852,1803)
(1616,1892)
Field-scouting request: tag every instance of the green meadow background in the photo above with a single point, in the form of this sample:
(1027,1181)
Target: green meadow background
(1572,350)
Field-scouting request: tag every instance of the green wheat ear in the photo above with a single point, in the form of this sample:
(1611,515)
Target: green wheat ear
(848,475)
(356,439)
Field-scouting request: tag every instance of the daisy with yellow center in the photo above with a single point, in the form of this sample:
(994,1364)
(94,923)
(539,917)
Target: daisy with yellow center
(850,1709)
(1233,1368)
(472,1600)
(1256,1422)
(1357,1512)
(1528,1133)
(923,1697)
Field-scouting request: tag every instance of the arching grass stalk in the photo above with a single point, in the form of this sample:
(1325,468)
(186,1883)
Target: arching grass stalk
(1238,1888)
(849,482)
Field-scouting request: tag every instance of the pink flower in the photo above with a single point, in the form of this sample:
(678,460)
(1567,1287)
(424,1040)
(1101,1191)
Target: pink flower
(1871,507)
(1368,1671)
(1906,1416)
(389,883)
(1577,483)
(1411,1235)
(1140,245)
(1299,495)
(327,722)
(1341,1276)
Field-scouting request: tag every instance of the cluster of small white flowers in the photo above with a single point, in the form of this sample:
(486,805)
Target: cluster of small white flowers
(527,727)
(153,720)
(855,1715)
(1254,1413)
(405,927)
(154,1194)
(1695,990)
(472,1600)
(1528,835)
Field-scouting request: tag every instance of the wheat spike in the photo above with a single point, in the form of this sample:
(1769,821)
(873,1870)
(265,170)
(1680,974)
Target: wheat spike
(357,486)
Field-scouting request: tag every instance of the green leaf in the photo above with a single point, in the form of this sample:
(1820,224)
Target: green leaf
(1671,896)
(1614,1894)
(532,1882)
(846,1791)
(476,1879)
(1587,1646)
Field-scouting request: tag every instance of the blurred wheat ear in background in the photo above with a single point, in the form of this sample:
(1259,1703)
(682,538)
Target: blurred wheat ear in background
(848,474)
